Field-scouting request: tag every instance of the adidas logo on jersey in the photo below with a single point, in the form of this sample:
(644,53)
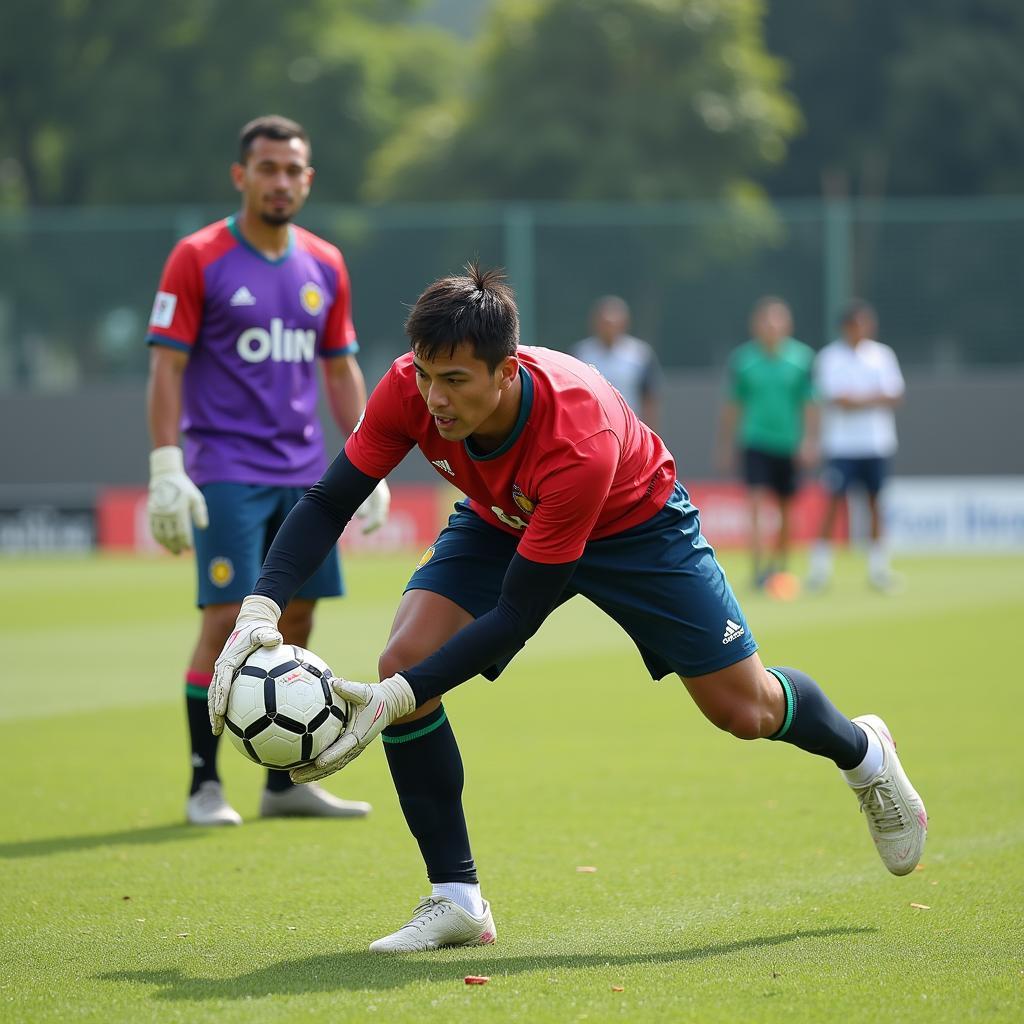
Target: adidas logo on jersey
(443,464)
(732,631)
(243,297)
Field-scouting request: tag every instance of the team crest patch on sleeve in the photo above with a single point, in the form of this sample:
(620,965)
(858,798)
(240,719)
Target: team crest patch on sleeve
(163,310)
(221,571)
(426,557)
(525,504)
(312,298)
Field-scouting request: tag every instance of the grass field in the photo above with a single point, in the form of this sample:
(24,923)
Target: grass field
(734,882)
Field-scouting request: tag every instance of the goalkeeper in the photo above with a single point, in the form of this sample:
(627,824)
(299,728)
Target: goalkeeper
(245,308)
(568,493)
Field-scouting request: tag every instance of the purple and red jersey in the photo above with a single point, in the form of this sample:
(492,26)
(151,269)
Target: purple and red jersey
(253,328)
(578,466)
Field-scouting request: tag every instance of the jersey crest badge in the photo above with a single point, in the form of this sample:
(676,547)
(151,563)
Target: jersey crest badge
(312,298)
(525,504)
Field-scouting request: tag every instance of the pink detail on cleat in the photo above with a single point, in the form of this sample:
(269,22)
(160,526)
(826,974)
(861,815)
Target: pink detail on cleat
(922,816)
(486,938)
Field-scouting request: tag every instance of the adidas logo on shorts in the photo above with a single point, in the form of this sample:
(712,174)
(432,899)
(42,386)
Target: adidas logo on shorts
(732,631)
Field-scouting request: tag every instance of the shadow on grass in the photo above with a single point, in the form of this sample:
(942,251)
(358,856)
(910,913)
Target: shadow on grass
(126,837)
(360,971)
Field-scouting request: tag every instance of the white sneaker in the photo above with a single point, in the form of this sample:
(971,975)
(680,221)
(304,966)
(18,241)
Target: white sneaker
(437,922)
(310,801)
(207,806)
(895,814)
(885,581)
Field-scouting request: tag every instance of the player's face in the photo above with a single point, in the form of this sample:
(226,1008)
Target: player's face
(773,324)
(466,398)
(275,179)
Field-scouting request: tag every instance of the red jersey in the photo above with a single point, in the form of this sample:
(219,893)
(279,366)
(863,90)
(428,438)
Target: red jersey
(578,466)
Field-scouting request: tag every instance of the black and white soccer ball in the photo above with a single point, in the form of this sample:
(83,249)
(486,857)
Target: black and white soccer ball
(282,711)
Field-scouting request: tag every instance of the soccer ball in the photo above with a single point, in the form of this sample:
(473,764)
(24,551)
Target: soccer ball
(282,711)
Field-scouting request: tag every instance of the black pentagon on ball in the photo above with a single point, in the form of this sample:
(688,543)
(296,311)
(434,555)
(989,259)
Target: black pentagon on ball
(317,720)
(313,670)
(252,670)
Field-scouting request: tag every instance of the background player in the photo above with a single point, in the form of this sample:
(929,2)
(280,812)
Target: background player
(770,410)
(859,383)
(245,307)
(628,363)
(569,493)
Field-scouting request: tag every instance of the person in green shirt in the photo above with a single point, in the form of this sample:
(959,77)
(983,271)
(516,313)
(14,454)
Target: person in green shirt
(769,422)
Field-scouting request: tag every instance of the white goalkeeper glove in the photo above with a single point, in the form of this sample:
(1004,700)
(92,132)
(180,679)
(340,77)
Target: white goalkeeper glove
(256,626)
(372,707)
(174,501)
(374,511)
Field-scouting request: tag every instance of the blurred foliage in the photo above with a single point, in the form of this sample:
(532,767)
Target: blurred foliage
(602,100)
(129,102)
(903,99)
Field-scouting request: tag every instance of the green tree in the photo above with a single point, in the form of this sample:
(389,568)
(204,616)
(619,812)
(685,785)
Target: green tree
(127,102)
(901,100)
(602,100)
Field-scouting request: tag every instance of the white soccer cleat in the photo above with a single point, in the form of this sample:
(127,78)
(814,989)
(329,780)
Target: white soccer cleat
(438,922)
(207,806)
(895,814)
(310,801)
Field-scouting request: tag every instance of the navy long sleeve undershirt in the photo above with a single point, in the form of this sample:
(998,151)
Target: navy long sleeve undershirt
(529,592)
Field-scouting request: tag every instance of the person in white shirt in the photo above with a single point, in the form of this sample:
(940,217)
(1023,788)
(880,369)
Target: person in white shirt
(627,363)
(859,384)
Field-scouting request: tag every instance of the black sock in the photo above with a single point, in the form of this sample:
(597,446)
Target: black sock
(813,723)
(426,767)
(278,781)
(201,738)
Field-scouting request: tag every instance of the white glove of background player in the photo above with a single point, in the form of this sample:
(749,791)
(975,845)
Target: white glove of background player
(374,511)
(372,707)
(256,626)
(174,501)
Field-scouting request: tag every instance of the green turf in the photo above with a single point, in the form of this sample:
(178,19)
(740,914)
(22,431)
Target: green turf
(734,882)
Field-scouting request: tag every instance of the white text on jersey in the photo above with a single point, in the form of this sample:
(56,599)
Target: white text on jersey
(280,344)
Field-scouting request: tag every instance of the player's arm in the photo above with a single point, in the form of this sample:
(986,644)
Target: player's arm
(308,533)
(529,593)
(345,390)
(650,392)
(174,502)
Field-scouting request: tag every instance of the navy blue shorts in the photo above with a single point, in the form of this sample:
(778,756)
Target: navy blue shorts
(768,469)
(230,552)
(840,475)
(660,581)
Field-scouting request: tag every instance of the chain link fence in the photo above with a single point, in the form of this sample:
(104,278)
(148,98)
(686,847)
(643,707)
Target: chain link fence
(76,285)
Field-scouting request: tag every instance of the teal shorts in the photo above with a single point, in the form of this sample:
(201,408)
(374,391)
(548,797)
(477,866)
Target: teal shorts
(230,551)
(660,581)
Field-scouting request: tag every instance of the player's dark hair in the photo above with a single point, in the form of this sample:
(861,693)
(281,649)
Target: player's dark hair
(853,309)
(477,307)
(768,302)
(270,126)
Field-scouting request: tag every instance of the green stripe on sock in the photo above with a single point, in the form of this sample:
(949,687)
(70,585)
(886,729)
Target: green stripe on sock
(196,692)
(426,730)
(787,690)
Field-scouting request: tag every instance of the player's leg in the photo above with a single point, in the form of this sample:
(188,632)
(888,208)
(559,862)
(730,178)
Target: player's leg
(228,557)
(755,478)
(880,574)
(206,804)
(784,483)
(748,700)
(281,797)
(662,583)
(458,579)
(835,479)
